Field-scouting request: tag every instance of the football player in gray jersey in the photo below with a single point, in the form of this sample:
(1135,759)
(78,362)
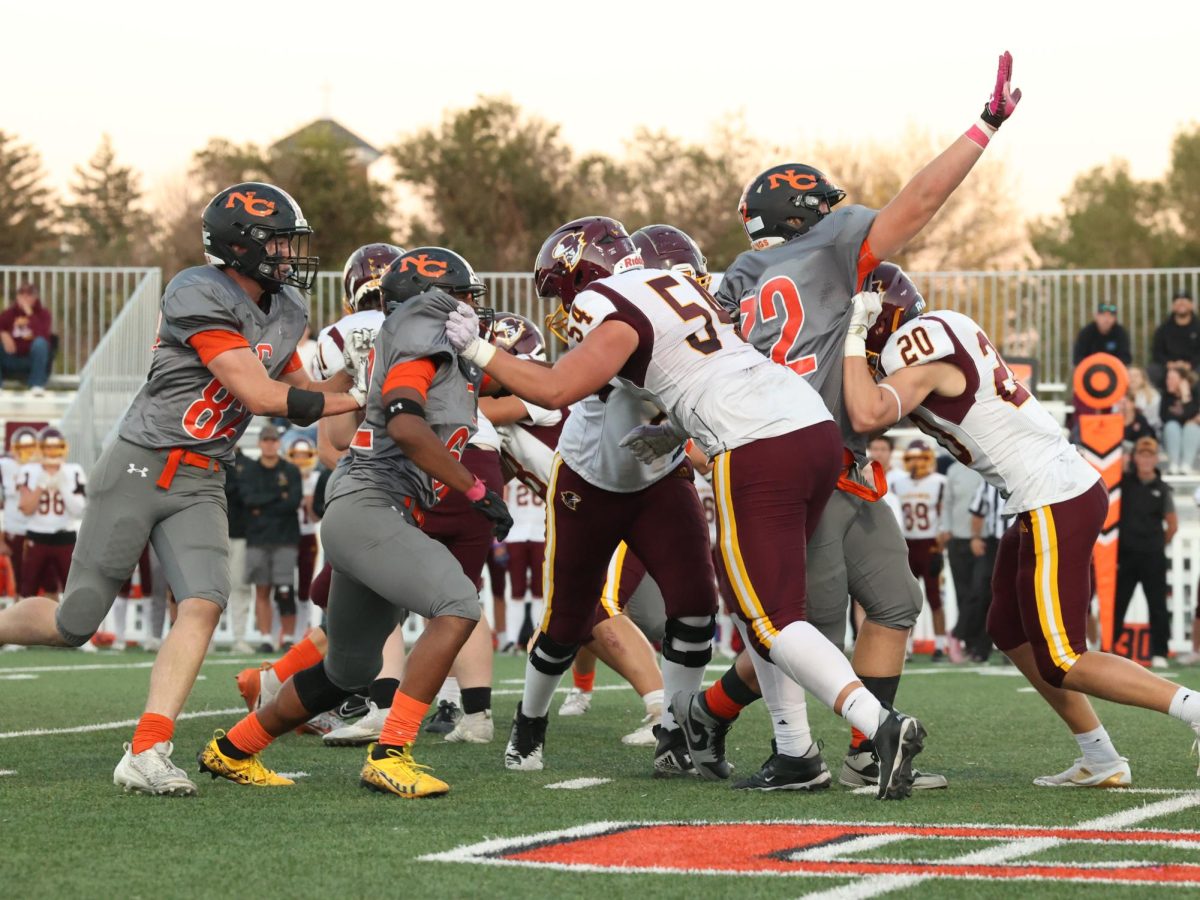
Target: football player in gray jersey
(225,350)
(420,415)
(791,294)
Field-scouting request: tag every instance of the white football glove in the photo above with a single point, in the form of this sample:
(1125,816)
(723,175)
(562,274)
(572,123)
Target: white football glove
(462,330)
(357,349)
(865,309)
(649,442)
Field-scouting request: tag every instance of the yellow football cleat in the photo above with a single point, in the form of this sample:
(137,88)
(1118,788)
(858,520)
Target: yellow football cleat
(240,771)
(397,773)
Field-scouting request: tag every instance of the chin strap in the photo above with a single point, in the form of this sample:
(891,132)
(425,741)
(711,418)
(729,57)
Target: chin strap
(856,488)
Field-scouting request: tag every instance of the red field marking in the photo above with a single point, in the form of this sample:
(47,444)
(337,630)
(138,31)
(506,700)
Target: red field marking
(781,848)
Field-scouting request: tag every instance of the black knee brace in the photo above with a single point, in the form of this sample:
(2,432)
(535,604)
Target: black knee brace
(677,630)
(550,657)
(316,691)
(285,599)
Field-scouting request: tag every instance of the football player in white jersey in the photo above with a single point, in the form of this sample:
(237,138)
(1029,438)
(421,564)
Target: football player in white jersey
(921,493)
(53,496)
(22,449)
(941,370)
(777,453)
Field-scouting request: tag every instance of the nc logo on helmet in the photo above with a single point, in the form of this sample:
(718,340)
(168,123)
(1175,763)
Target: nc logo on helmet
(569,249)
(252,204)
(425,266)
(799,181)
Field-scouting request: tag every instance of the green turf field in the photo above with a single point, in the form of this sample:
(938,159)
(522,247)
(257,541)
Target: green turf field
(66,831)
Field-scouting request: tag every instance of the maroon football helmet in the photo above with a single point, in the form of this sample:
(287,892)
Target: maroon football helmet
(518,335)
(361,274)
(577,254)
(667,247)
(901,302)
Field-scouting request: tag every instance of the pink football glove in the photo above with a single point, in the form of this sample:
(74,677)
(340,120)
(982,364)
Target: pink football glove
(1004,99)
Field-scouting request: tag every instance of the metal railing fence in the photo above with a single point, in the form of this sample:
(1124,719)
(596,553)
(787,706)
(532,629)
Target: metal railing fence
(84,302)
(114,372)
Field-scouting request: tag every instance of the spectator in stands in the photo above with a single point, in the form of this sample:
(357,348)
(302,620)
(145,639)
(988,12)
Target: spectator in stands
(1144,396)
(1104,334)
(1136,424)
(1176,340)
(1181,427)
(270,488)
(25,339)
(1148,522)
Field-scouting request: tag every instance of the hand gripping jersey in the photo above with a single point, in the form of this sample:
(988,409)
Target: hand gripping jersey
(793,302)
(527,446)
(61,507)
(416,330)
(528,512)
(182,404)
(308,481)
(14,519)
(328,360)
(590,441)
(996,427)
(921,504)
(715,387)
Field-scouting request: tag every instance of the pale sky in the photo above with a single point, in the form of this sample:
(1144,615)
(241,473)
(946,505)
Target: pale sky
(1099,80)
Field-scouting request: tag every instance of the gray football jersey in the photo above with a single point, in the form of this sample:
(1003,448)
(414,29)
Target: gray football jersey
(793,302)
(182,404)
(417,330)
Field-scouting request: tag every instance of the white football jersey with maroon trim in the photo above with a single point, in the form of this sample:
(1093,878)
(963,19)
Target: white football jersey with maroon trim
(995,426)
(61,506)
(528,513)
(716,388)
(920,501)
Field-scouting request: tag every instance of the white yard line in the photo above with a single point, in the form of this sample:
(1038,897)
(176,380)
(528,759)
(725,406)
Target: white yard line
(878,885)
(8,771)
(20,676)
(577,784)
(93,667)
(112,726)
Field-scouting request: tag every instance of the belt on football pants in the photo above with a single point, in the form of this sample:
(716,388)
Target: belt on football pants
(857,489)
(415,511)
(179,456)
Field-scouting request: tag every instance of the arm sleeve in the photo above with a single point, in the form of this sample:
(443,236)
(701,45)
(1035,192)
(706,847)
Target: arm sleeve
(211,344)
(416,374)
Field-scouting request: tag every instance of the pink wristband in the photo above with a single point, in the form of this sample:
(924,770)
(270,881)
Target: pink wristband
(980,134)
(476,492)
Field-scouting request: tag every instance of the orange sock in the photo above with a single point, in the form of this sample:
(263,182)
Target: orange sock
(857,738)
(152,729)
(720,704)
(249,736)
(585,682)
(403,721)
(302,656)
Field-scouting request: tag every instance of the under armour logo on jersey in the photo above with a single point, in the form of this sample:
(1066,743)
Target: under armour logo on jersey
(570,499)
(144,471)
(569,249)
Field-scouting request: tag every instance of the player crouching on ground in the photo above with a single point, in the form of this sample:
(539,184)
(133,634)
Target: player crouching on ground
(943,372)
(420,414)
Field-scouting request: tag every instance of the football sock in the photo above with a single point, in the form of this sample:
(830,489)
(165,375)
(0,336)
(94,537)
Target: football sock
(382,690)
(1185,706)
(654,702)
(152,729)
(514,616)
(939,642)
(403,720)
(245,738)
(813,662)
(120,610)
(862,710)
(302,656)
(584,682)
(539,690)
(1097,747)
(477,699)
(729,696)
(884,688)
(537,609)
(786,705)
(676,678)
(450,691)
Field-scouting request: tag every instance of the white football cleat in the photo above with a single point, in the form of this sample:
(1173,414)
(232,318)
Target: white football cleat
(577,702)
(358,734)
(473,728)
(153,772)
(644,735)
(1084,775)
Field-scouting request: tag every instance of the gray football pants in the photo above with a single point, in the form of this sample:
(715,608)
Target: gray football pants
(858,550)
(383,568)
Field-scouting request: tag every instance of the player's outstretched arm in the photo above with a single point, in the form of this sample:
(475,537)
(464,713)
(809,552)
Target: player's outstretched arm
(334,434)
(241,372)
(920,199)
(585,369)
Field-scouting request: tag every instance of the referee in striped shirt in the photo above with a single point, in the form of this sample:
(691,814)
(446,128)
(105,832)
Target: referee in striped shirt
(988,524)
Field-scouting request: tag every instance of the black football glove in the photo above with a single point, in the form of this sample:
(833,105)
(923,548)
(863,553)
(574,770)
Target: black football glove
(492,506)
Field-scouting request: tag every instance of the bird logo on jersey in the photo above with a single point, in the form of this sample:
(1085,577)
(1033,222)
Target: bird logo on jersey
(569,249)
(570,499)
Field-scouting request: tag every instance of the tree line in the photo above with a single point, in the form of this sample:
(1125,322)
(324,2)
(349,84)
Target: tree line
(491,180)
